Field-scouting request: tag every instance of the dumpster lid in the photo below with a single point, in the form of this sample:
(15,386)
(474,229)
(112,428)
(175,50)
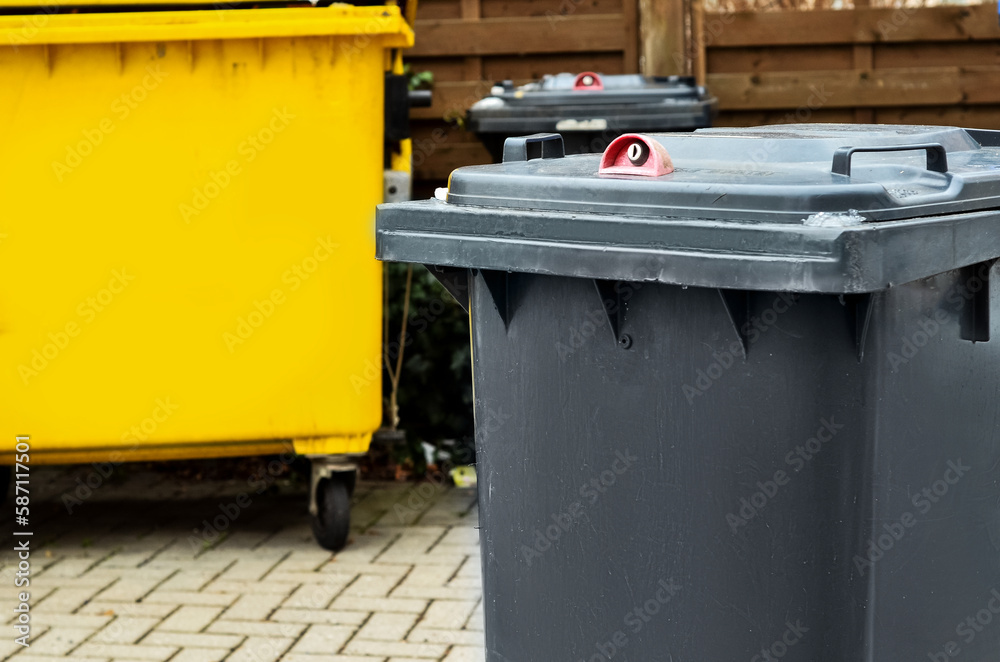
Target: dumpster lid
(810,208)
(804,174)
(591,88)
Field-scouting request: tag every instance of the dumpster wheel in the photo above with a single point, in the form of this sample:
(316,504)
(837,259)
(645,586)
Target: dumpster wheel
(330,505)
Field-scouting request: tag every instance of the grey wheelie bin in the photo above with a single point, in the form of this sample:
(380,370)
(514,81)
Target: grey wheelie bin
(737,392)
(590,109)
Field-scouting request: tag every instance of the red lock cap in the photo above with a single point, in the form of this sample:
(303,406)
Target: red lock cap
(634,154)
(588,81)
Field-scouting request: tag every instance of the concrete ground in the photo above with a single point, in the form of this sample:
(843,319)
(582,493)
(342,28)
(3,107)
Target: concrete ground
(158,567)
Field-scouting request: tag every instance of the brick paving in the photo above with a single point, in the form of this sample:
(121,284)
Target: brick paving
(159,568)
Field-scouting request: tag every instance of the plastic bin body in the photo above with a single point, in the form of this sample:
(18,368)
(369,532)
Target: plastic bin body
(187,239)
(672,468)
(590,117)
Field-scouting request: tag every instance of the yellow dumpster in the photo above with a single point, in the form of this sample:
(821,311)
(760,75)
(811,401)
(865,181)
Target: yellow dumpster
(186,234)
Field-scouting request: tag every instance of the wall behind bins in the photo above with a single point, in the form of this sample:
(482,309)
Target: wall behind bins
(470,44)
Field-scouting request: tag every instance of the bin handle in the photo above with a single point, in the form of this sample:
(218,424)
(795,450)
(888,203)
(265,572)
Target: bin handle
(535,146)
(937,156)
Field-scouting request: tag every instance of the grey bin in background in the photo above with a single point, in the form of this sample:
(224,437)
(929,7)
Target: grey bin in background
(744,410)
(590,109)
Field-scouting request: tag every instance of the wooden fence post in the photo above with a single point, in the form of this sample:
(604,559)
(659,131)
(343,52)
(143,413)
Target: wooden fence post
(665,27)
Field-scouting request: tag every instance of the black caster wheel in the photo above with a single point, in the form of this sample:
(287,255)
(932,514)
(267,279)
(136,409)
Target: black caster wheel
(332,522)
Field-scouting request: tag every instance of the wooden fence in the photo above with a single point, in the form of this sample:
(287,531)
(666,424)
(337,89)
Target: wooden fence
(937,65)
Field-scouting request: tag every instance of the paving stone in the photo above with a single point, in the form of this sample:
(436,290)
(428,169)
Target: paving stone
(58,641)
(38,657)
(102,608)
(435,593)
(325,616)
(200,655)
(129,589)
(400,649)
(244,586)
(371,586)
(254,606)
(323,639)
(317,595)
(196,640)
(387,627)
(135,652)
(252,567)
(261,649)
(466,654)
(69,567)
(451,614)
(192,598)
(125,630)
(188,580)
(66,600)
(431,575)
(257,629)
(403,605)
(303,560)
(446,637)
(190,619)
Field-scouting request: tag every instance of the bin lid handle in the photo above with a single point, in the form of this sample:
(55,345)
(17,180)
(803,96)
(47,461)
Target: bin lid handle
(535,146)
(937,156)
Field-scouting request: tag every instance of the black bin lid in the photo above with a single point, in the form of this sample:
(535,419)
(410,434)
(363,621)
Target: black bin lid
(590,88)
(790,207)
(629,102)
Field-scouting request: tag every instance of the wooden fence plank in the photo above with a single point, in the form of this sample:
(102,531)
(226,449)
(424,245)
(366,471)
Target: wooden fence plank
(497,36)
(786,58)
(931,86)
(550,8)
(500,67)
(787,28)
(935,54)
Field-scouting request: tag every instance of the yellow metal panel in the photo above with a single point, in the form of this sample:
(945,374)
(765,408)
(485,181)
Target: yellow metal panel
(186,240)
(364,27)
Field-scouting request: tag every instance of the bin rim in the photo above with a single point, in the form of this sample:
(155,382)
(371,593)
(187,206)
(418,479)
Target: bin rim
(385,23)
(685,251)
